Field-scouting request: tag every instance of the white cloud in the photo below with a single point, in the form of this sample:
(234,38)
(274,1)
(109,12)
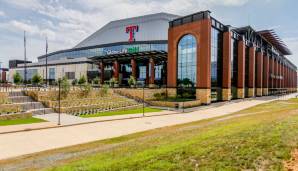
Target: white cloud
(2,13)
(68,22)
(292,43)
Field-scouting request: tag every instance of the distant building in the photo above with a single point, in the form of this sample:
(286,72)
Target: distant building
(3,75)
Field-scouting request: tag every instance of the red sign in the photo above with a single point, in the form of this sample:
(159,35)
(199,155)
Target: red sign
(131,30)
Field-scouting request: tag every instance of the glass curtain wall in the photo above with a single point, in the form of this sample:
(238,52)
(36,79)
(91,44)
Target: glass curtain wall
(246,70)
(187,65)
(234,67)
(216,64)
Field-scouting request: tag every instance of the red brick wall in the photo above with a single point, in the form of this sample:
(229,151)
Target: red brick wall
(202,32)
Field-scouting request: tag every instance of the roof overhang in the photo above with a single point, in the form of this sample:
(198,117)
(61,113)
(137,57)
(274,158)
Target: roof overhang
(137,55)
(273,38)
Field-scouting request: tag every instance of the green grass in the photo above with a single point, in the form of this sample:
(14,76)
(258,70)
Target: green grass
(20,121)
(259,138)
(123,112)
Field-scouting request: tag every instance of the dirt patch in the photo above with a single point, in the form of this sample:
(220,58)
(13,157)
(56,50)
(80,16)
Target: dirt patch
(292,164)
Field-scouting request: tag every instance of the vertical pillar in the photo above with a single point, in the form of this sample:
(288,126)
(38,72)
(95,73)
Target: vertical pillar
(241,69)
(133,67)
(251,70)
(265,84)
(102,72)
(279,75)
(282,75)
(152,73)
(147,73)
(116,69)
(259,73)
(275,74)
(295,83)
(226,74)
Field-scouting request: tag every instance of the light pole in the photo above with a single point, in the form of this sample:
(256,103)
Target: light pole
(46,61)
(143,100)
(25,60)
(59,102)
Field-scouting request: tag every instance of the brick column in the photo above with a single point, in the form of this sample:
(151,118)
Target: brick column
(271,72)
(226,74)
(251,70)
(241,69)
(259,74)
(116,70)
(133,68)
(279,74)
(102,72)
(275,74)
(265,84)
(152,73)
(295,81)
(287,78)
(203,92)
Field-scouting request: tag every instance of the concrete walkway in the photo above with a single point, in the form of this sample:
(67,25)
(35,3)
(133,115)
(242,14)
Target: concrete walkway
(16,144)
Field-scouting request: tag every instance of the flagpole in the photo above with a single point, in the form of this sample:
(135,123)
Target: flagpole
(25,60)
(46,61)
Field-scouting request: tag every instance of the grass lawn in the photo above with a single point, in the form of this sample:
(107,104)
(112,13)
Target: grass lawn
(20,121)
(259,138)
(123,112)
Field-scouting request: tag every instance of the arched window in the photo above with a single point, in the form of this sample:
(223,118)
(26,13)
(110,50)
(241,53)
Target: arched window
(187,61)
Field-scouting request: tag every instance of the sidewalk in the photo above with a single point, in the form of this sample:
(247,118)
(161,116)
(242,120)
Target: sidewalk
(21,143)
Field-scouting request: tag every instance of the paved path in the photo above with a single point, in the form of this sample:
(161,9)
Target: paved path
(16,144)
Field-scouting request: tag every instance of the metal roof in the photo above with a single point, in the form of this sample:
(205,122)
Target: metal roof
(273,38)
(151,27)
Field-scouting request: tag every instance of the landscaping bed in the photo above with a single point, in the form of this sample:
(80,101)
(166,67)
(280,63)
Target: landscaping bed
(122,112)
(9,109)
(4,98)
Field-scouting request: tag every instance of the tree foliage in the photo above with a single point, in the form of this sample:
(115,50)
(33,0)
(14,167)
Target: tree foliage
(17,78)
(36,79)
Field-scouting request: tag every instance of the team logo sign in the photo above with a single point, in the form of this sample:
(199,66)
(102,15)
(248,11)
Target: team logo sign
(131,30)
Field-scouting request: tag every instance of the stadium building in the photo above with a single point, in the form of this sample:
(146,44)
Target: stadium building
(219,62)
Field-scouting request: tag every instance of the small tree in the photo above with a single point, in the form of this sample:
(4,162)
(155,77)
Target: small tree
(82,80)
(132,81)
(17,78)
(96,81)
(113,81)
(104,90)
(74,82)
(36,79)
(86,90)
(65,87)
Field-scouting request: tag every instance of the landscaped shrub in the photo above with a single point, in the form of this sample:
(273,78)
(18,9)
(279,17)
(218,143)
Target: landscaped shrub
(113,81)
(65,87)
(86,89)
(82,80)
(104,90)
(36,79)
(96,81)
(17,78)
(132,81)
(74,82)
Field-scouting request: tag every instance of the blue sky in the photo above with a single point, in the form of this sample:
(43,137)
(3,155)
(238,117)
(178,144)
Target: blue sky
(67,22)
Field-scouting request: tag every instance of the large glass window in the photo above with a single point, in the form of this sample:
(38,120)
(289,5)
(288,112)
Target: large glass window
(52,73)
(216,64)
(234,67)
(187,60)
